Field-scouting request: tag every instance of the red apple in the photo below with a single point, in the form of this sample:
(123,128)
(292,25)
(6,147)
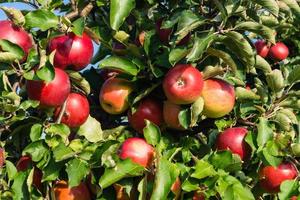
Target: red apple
(2,157)
(279,51)
(183,84)
(148,109)
(52,94)
(138,150)
(176,188)
(184,40)
(294,198)
(76,112)
(23,164)
(170,114)
(198,195)
(219,98)
(63,192)
(17,35)
(72,51)
(163,34)
(113,95)
(262,48)
(233,139)
(271,177)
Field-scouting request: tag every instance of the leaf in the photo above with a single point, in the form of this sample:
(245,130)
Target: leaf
(294,6)
(14,15)
(62,152)
(151,133)
(226,160)
(269,159)
(184,117)
(51,171)
(78,26)
(46,73)
(275,80)
(61,130)
(119,11)
(294,75)
(19,188)
(224,56)
(196,110)
(270,5)
(243,94)
(221,8)
(79,81)
(12,52)
(77,169)
(201,44)
(264,132)
(42,19)
(114,62)
(177,54)
(10,169)
(288,188)
(262,64)
(166,175)
(123,169)
(37,150)
(212,71)
(203,169)
(91,130)
(36,132)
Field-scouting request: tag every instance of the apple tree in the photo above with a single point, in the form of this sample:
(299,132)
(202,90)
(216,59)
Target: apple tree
(149,99)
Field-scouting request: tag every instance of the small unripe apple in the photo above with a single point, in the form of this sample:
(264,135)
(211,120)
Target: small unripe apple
(138,150)
(271,177)
(114,95)
(148,109)
(2,157)
(279,51)
(76,112)
(52,94)
(219,98)
(72,51)
(233,139)
(183,84)
(262,48)
(170,113)
(63,192)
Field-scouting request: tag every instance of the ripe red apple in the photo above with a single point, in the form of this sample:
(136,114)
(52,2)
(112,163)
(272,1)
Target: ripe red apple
(17,35)
(294,198)
(183,84)
(176,188)
(138,150)
(232,139)
(219,98)
(113,95)
(198,195)
(72,51)
(148,109)
(23,164)
(271,177)
(52,94)
(170,114)
(163,34)
(76,112)
(279,51)
(262,48)
(2,157)
(63,192)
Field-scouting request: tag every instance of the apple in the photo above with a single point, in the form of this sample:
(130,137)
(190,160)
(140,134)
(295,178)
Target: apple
(63,192)
(170,114)
(52,94)
(176,188)
(138,150)
(17,35)
(219,98)
(148,109)
(114,94)
(233,139)
(2,157)
(183,84)
(76,112)
(71,51)
(142,37)
(271,176)
(294,198)
(262,48)
(279,51)
(198,195)
(23,164)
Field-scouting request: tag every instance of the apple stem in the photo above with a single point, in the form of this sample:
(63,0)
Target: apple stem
(62,111)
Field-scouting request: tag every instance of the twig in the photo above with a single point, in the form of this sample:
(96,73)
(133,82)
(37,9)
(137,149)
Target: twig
(83,13)
(62,111)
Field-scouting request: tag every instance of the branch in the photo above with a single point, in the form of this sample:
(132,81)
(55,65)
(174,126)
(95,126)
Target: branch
(83,13)
(62,111)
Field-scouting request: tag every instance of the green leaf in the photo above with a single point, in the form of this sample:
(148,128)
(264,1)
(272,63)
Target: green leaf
(11,170)
(196,110)
(46,73)
(177,54)
(262,64)
(184,117)
(29,104)
(91,130)
(294,75)
(37,150)
(19,187)
(42,19)
(226,160)
(203,169)
(294,6)
(269,159)
(14,15)
(79,81)
(61,130)
(224,56)
(114,62)
(119,11)
(62,152)
(10,52)
(151,133)
(270,5)
(264,131)
(275,80)
(77,169)
(288,188)
(51,171)
(166,175)
(78,26)
(123,169)
(243,94)
(36,132)
(221,8)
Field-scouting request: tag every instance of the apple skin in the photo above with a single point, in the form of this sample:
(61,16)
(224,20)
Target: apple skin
(176,188)
(138,150)
(271,177)
(23,164)
(17,35)
(232,139)
(219,98)
(52,94)
(71,51)
(183,84)
(294,198)
(262,48)
(163,34)
(148,109)
(77,110)
(63,192)
(113,95)
(2,157)
(279,51)
(198,196)
(170,114)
